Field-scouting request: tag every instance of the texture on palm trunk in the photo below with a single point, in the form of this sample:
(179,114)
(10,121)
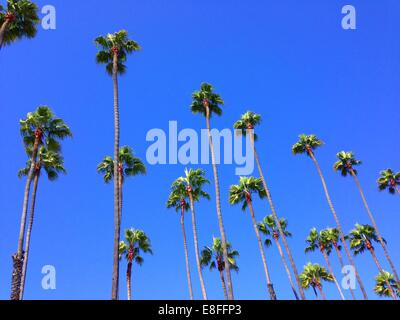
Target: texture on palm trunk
(189,277)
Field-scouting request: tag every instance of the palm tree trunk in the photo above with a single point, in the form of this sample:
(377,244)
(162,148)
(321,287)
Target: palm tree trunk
(278,245)
(219,212)
(346,248)
(18,258)
(321,292)
(221,274)
(196,247)
(333,275)
(3,31)
(270,286)
(385,249)
(277,222)
(128,279)
(315,292)
(372,251)
(117,222)
(398,190)
(189,278)
(28,233)
(342,265)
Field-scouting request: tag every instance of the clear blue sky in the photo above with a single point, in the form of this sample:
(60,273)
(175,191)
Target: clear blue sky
(289,60)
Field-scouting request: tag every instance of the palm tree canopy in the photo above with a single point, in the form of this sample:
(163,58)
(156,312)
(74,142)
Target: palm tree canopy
(361,238)
(331,236)
(241,193)
(206,94)
(178,199)
(52,162)
(389,180)
(313,275)
(346,162)
(212,256)
(247,122)
(51,129)
(136,242)
(130,165)
(115,42)
(193,181)
(306,144)
(381,288)
(318,241)
(22,16)
(269,228)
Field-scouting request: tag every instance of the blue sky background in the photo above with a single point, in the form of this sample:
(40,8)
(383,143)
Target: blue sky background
(289,60)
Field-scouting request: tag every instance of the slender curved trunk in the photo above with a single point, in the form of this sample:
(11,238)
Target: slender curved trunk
(28,232)
(342,264)
(117,222)
(221,274)
(315,292)
(120,195)
(372,251)
(189,277)
(218,206)
(278,245)
(128,279)
(321,292)
(346,248)
(196,247)
(277,222)
(371,217)
(18,257)
(270,286)
(333,275)
(3,31)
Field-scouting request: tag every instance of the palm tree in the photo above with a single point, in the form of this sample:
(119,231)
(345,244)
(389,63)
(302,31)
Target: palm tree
(113,52)
(193,182)
(128,166)
(19,20)
(332,238)
(316,241)
(361,239)
(345,164)
(214,258)
(177,200)
(381,288)
(53,164)
(269,229)
(136,241)
(389,180)
(40,128)
(246,125)
(208,103)
(307,145)
(242,194)
(313,275)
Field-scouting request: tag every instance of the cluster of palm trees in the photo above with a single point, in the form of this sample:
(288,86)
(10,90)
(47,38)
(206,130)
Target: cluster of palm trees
(42,133)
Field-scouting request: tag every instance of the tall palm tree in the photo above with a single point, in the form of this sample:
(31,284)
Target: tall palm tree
(128,166)
(18,20)
(136,241)
(242,194)
(361,239)
(193,181)
(270,230)
(313,275)
(213,257)
(317,241)
(40,128)
(177,200)
(246,125)
(381,285)
(307,145)
(345,164)
(389,180)
(113,51)
(53,164)
(332,239)
(208,103)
